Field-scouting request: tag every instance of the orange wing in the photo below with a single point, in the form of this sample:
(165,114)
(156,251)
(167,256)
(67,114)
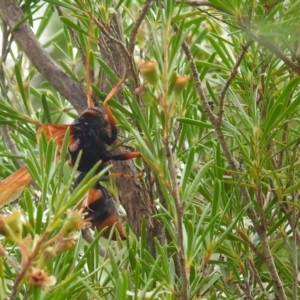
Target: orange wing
(57,131)
(12,186)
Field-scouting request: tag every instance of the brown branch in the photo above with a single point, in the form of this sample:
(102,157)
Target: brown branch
(260,228)
(120,44)
(258,278)
(23,35)
(88,237)
(6,45)
(10,144)
(274,49)
(113,39)
(136,26)
(27,265)
(229,80)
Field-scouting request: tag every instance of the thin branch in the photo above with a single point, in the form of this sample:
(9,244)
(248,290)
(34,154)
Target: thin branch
(27,265)
(10,144)
(23,35)
(274,49)
(260,228)
(112,38)
(246,287)
(120,43)
(137,24)
(88,237)
(229,80)
(6,45)
(258,278)
(250,244)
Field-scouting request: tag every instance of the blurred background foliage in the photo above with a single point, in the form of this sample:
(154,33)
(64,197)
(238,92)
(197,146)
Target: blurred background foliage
(234,150)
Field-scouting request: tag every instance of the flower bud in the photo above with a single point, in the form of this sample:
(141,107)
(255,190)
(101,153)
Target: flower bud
(180,83)
(150,72)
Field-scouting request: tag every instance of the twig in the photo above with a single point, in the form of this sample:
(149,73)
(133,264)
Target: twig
(88,237)
(229,80)
(260,228)
(120,43)
(136,26)
(112,38)
(6,44)
(23,35)
(26,266)
(257,277)
(10,144)
(246,286)
(250,244)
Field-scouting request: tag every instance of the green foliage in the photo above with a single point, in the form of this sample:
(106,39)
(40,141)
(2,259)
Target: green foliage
(208,234)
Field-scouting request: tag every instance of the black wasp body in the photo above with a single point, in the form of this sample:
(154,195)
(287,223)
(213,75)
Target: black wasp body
(90,137)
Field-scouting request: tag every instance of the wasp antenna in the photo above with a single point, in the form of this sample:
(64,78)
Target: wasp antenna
(114,90)
(90,102)
(106,107)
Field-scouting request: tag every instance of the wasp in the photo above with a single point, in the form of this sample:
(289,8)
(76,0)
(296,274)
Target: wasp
(88,135)
(100,210)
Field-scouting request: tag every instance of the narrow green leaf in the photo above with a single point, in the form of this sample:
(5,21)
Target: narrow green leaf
(194,122)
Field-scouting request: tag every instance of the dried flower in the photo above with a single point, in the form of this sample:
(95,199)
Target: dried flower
(41,278)
(63,244)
